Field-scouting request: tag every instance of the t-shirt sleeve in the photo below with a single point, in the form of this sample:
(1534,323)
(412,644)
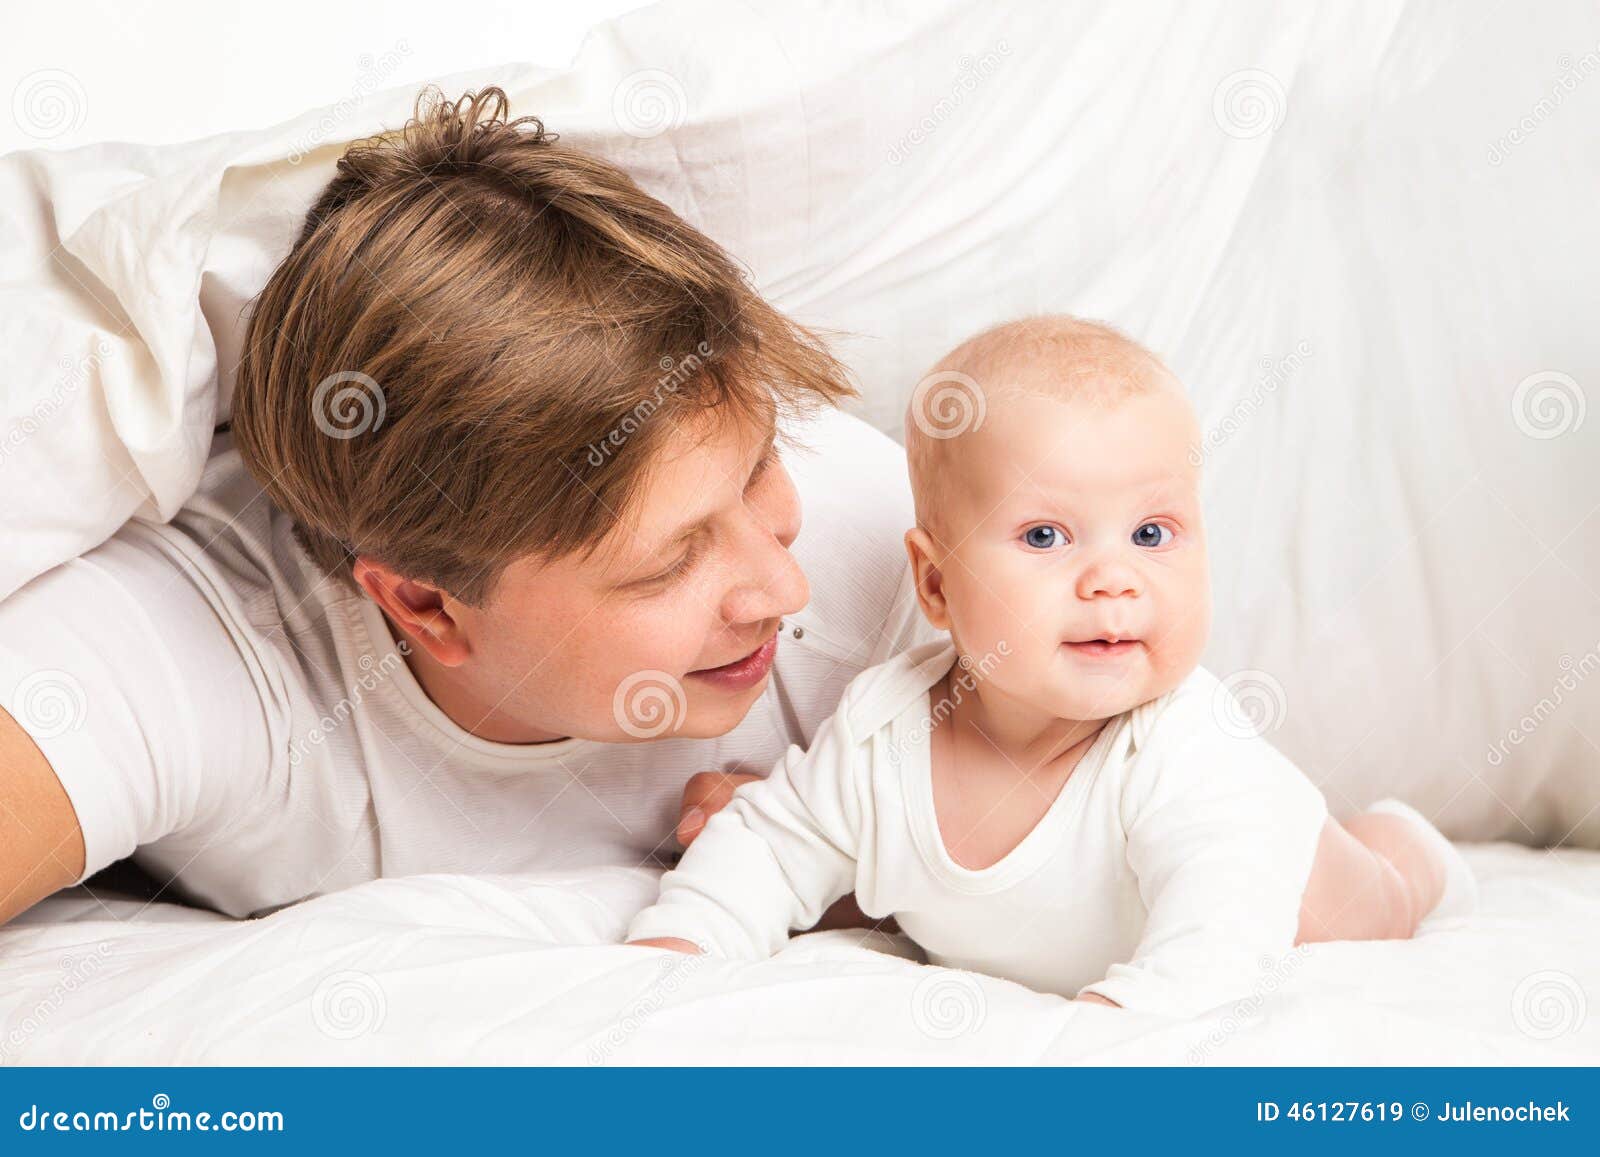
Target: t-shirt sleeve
(133,688)
(1221,835)
(772,860)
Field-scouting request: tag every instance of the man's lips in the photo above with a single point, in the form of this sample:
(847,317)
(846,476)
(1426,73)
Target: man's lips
(744,671)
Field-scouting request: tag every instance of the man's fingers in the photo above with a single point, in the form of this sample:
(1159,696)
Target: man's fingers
(689,825)
(706,793)
(712,790)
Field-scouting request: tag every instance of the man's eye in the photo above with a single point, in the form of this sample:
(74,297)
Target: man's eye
(690,560)
(1043,537)
(678,569)
(762,468)
(673,573)
(1152,534)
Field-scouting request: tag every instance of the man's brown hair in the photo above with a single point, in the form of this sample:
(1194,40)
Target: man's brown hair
(477,342)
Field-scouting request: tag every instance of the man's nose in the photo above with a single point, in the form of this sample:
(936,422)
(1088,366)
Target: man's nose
(773,587)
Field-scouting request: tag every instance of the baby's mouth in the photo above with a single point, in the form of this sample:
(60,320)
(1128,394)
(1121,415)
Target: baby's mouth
(1105,647)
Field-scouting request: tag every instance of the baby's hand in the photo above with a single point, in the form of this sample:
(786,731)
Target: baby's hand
(706,793)
(671,942)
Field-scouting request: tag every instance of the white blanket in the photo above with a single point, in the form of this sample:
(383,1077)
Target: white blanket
(454,969)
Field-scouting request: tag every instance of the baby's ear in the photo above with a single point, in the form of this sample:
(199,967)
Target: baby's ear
(925,557)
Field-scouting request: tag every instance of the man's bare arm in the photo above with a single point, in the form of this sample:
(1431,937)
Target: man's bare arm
(41,845)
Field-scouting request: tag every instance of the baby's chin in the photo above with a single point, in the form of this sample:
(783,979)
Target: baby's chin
(1087,705)
(1095,690)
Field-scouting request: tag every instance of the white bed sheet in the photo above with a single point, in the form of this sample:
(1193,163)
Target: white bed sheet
(456,969)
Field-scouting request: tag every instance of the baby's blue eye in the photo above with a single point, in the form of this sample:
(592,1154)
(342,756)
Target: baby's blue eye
(1043,537)
(1150,535)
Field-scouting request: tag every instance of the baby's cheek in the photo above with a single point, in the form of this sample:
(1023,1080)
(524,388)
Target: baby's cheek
(997,635)
(992,622)
(1185,643)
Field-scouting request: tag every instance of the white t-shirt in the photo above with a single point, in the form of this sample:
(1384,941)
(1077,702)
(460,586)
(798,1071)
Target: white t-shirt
(211,699)
(1166,875)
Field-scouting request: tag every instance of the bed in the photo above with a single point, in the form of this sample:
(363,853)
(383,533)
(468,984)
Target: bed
(492,970)
(1361,233)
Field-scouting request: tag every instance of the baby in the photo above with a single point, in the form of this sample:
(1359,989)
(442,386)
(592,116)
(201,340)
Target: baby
(1056,796)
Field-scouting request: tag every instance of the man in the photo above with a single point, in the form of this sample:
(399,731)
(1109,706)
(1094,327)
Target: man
(504,546)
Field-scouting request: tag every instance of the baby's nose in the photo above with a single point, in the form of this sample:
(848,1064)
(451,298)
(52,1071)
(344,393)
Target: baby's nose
(1108,580)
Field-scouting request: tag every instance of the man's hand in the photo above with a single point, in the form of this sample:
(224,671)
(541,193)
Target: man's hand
(706,793)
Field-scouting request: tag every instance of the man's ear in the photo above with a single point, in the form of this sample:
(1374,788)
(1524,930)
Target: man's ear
(926,558)
(417,608)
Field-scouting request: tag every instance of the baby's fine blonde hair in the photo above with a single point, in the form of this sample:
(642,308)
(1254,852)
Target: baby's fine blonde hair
(1052,355)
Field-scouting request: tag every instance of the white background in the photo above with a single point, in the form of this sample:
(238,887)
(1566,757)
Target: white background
(155,73)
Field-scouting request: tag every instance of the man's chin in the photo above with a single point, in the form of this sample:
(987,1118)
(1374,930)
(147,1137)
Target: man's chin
(704,723)
(715,715)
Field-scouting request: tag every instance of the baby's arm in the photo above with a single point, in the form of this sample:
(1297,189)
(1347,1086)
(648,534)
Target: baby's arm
(1221,834)
(774,859)
(1096,998)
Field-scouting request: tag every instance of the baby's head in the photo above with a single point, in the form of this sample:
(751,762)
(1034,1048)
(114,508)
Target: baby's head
(1059,537)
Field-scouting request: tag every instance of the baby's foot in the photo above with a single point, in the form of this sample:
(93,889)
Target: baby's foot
(1458,895)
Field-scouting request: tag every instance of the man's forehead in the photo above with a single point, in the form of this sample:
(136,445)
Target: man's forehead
(694,471)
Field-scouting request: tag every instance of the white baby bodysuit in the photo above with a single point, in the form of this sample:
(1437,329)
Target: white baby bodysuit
(1166,875)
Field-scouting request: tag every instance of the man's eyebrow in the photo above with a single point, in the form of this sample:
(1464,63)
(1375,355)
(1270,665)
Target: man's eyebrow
(690,530)
(767,447)
(666,546)
(684,534)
